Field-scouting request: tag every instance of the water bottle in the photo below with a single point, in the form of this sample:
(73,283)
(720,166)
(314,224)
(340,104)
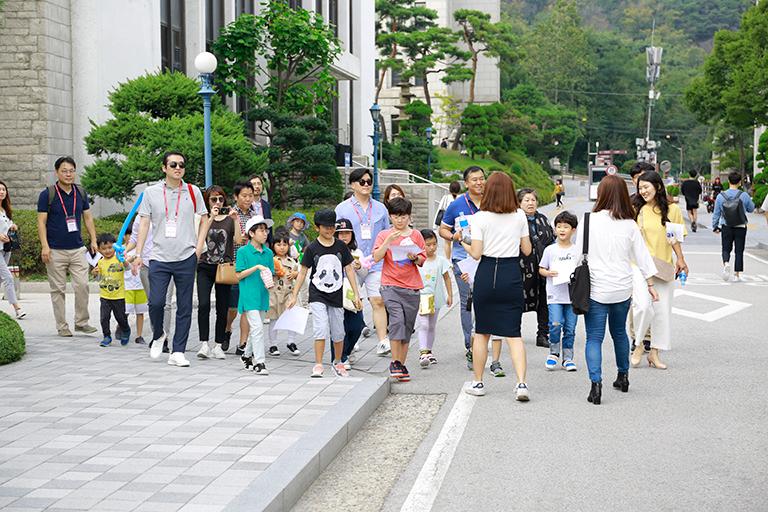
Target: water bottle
(683,278)
(463,222)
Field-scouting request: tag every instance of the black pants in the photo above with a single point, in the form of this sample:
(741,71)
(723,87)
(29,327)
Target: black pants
(542,311)
(206,279)
(559,199)
(113,307)
(730,236)
(353,328)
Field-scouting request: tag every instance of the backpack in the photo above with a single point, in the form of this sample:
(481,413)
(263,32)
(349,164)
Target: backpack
(733,210)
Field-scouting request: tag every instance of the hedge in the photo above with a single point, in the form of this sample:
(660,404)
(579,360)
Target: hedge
(527,173)
(12,345)
(28,259)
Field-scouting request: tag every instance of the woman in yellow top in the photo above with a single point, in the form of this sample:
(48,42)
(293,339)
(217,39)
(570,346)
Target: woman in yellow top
(655,217)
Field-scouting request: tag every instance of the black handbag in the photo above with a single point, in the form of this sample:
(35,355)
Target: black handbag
(580,286)
(14,244)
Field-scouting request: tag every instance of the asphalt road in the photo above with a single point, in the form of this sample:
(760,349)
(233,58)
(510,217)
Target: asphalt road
(692,437)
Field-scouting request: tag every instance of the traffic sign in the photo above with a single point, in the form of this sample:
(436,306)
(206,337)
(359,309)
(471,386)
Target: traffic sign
(665,166)
(611,169)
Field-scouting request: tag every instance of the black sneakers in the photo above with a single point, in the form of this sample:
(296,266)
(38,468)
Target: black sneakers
(274,351)
(247,361)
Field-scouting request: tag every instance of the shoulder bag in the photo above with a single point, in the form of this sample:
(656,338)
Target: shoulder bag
(580,286)
(225,274)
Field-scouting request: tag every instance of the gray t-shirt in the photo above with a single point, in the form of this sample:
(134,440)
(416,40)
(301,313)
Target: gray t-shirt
(182,246)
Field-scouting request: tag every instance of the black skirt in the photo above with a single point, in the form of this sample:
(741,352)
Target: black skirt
(497,297)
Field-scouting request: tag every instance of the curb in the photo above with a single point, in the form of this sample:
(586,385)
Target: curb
(281,485)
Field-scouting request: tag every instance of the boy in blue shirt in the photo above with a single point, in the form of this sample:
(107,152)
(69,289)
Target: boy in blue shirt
(254,264)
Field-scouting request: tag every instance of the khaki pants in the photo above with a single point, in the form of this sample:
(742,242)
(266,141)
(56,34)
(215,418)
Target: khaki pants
(72,261)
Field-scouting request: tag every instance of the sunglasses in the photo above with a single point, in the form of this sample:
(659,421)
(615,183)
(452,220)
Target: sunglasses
(174,165)
(365,183)
(217,199)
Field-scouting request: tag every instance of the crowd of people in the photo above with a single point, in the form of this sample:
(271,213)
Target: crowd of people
(506,257)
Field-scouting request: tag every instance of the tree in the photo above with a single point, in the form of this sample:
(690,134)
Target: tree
(395,20)
(291,50)
(558,57)
(483,37)
(291,53)
(411,152)
(419,118)
(156,113)
(433,50)
(480,127)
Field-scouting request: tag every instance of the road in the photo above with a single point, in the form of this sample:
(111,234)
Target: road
(691,437)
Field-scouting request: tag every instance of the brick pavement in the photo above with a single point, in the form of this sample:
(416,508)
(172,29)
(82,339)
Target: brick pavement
(109,429)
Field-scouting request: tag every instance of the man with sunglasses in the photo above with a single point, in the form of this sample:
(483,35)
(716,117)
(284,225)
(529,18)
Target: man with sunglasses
(369,217)
(169,209)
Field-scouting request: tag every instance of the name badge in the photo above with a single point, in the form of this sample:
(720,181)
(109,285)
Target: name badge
(71,224)
(365,231)
(170,228)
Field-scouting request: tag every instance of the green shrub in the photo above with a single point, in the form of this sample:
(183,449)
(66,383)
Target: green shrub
(28,259)
(527,173)
(12,345)
(673,190)
(760,192)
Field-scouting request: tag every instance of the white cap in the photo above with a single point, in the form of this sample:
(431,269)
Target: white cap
(258,219)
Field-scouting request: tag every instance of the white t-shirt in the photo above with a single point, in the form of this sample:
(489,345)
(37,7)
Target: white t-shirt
(613,246)
(556,257)
(500,232)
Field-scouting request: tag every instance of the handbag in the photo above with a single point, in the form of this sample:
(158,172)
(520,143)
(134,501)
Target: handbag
(349,297)
(439,216)
(14,242)
(580,286)
(225,274)
(665,270)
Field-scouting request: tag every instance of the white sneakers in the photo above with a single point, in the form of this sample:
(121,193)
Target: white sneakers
(205,351)
(521,393)
(217,352)
(157,347)
(178,359)
(475,389)
(383,348)
(727,272)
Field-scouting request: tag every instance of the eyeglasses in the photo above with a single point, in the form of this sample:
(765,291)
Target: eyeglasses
(174,165)
(217,199)
(67,171)
(365,183)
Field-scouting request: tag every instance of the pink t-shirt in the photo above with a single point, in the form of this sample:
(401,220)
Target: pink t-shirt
(403,273)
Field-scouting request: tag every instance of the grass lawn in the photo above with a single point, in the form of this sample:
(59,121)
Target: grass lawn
(452,160)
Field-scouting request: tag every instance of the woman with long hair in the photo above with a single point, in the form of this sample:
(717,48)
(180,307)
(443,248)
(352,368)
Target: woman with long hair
(655,217)
(615,242)
(215,245)
(392,191)
(7,227)
(499,235)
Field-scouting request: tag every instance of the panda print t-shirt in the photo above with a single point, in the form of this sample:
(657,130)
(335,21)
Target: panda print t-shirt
(326,274)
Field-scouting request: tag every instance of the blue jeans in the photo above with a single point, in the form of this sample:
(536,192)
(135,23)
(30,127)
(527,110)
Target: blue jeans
(594,321)
(183,274)
(562,319)
(466,316)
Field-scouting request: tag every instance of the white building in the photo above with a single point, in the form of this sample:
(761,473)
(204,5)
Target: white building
(487,83)
(59,59)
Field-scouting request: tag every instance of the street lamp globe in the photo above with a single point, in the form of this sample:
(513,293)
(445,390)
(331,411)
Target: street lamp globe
(375,110)
(206,63)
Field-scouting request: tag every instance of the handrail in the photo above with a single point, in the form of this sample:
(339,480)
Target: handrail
(412,177)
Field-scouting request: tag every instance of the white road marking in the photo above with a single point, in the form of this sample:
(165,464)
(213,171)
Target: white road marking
(761,260)
(430,479)
(730,307)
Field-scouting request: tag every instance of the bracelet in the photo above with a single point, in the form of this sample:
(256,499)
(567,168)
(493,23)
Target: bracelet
(650,286)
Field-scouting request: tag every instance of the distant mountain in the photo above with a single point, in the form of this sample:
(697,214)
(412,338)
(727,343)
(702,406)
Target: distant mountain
(698,19)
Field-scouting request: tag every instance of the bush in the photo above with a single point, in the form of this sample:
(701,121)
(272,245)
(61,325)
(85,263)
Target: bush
(673,190)
(760,192)
(527,173)
(28,258)
(12,345)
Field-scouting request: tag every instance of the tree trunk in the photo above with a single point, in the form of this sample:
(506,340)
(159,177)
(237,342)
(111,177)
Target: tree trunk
(380,84)
(472,80)
(427,97)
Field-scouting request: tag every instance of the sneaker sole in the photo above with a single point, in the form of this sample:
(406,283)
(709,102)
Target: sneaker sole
(499,374)
(474,392)
(202,356)
(522,398)
(551,368)
(316,376)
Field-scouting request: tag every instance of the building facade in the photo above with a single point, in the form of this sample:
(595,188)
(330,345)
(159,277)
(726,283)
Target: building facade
(487,83)
(59,60)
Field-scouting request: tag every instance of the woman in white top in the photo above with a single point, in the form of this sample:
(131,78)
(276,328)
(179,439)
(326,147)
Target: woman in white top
(615,242)
(499,234)
(6,226)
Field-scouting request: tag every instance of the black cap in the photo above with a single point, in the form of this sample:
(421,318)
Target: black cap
(325,218)
(344,225)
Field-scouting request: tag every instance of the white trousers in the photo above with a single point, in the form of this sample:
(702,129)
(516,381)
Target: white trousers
(656,315)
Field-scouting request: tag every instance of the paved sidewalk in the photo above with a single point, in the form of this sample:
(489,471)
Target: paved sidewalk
(109,429)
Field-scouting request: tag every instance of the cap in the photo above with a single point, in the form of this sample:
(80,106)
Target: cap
(343,225)
(297,215)
(325,218)
(258,219)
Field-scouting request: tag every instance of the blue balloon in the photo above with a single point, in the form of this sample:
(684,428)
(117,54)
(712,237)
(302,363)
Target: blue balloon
(119,249)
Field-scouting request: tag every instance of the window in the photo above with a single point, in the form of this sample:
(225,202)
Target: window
(172,45)
(214,20)
(243,108)
(395,77)
(294,4)
(244,7)
(418,81)
(319,7)
(333,16)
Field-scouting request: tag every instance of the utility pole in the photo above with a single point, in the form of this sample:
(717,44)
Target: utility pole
(646,148)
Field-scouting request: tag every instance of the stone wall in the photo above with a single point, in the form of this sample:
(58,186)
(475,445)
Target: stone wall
(35,94)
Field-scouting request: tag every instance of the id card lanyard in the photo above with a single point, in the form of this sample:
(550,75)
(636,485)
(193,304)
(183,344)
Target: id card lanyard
(71,219)
(366,231)
(170,225)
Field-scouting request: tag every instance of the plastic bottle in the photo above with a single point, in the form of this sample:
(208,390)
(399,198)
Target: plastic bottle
(683,278)
(463,222)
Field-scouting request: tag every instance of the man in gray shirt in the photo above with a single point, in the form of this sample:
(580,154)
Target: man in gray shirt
(169,209)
